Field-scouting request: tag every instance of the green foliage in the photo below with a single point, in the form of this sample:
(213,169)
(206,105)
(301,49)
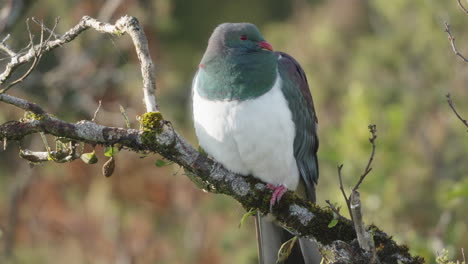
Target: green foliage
(443,258)
(162,163)
(333,223)
(110,151)
(285,249)
(244,218)
(89,158)
(459,190)
(152,121)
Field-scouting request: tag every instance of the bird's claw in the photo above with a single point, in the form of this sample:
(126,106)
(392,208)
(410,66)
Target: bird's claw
(278,192)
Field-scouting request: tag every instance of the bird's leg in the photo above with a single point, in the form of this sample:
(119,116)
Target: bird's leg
(278,192)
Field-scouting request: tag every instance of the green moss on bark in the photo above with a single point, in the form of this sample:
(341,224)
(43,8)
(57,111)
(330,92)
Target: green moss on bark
(152,121)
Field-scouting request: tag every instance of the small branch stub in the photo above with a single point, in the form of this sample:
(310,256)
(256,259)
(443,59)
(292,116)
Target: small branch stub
(365,240)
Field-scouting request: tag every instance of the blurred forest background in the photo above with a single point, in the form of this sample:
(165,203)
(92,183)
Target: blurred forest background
(382,62)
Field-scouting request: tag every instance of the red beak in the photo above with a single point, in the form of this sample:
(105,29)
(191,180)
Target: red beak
(265,45)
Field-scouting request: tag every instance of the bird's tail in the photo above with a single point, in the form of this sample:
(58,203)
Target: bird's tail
(271,236)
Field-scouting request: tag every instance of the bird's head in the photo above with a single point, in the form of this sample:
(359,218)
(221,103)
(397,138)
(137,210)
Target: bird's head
(242,37)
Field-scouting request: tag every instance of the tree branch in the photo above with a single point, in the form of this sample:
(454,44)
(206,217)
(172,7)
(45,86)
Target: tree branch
(450,102)
(125,24)
(373,131)
(451,38)
(299,216)
(462,7)
(338,244)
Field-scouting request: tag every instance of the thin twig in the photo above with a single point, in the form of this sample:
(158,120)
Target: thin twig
(97,111)
(367,170)
(46,144)
(373,131)
(462,7)
(451,38)
(345,196)
(4,47)
(450,102)
(125,116)
(37,57)
(336,210)
(125,24)
(51,31)
(5,39)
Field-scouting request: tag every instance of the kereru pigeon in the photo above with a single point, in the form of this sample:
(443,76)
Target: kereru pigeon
(253,113)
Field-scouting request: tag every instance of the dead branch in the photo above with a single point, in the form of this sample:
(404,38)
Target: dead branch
(336,210)
(373,131)
(343,192)
(125,24)
(353,202)
(367,170)
(462,7)
(365,239)
(450,102)
(451,38)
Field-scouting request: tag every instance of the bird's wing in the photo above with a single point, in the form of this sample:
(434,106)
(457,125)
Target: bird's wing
(297,93)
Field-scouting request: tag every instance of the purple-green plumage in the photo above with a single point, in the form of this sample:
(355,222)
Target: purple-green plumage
(254,113)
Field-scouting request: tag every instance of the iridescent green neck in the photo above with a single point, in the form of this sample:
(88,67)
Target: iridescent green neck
(238,76)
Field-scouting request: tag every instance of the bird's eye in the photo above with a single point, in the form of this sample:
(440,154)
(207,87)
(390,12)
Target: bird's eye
(243,37)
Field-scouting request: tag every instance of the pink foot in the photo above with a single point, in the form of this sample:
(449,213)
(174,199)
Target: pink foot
(278,192)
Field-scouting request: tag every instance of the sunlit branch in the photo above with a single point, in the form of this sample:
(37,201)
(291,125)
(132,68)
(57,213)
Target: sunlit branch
(451,38)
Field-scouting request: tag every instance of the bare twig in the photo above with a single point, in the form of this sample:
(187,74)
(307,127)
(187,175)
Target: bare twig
(373,131)
(5,48)
(451,38)
(97,111)
(450,102)
(37,57)
(336,210)
(125,24)
(51,31)
(353,202)
(462,7)
(345,196)
(125,116)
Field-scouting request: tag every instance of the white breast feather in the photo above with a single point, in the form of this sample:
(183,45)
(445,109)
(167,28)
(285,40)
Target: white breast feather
(251,137)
